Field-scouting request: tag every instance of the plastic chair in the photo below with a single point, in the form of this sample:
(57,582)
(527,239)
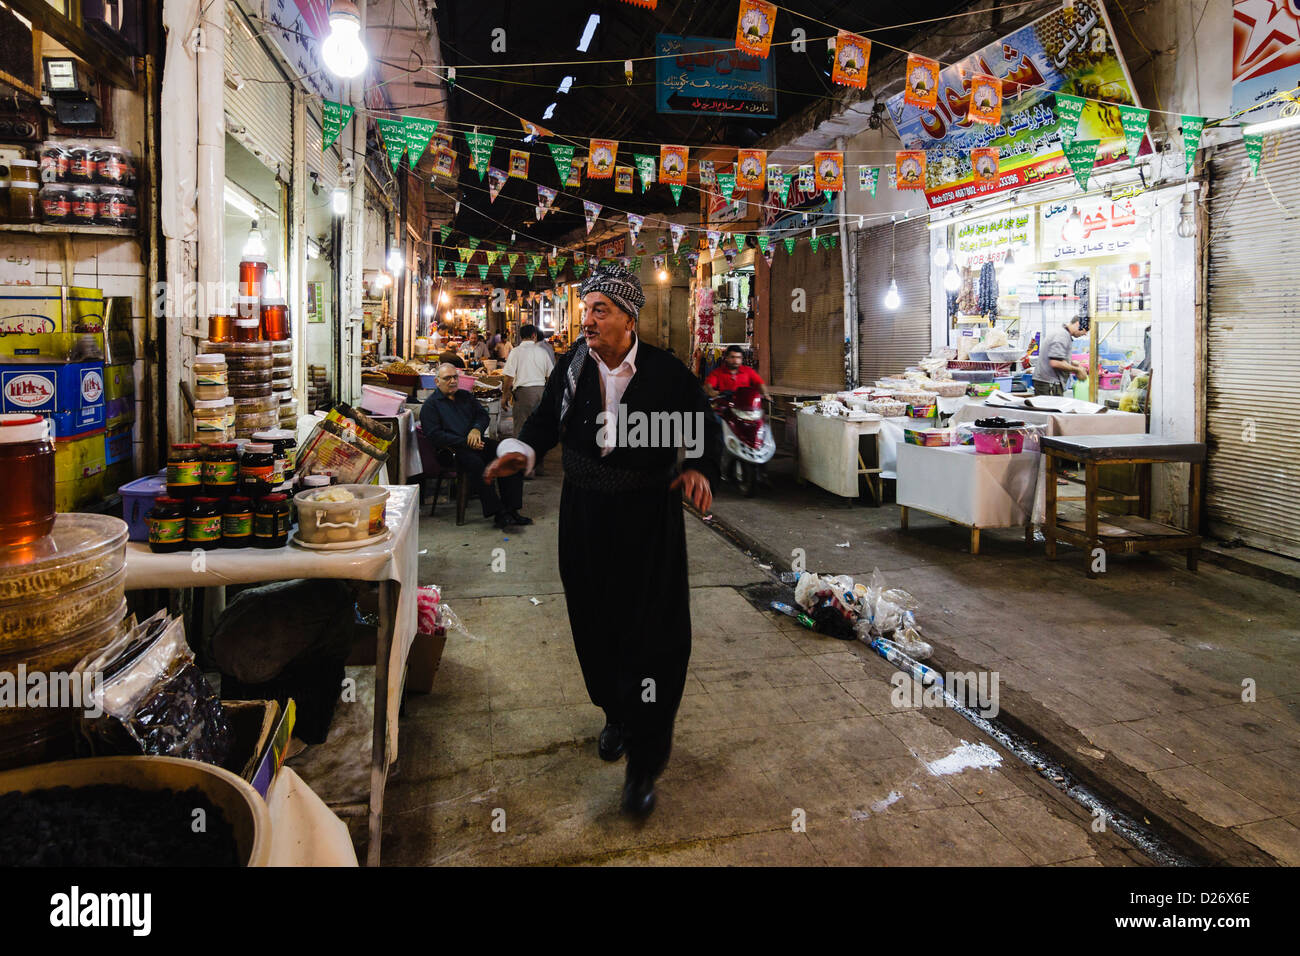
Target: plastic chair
(438,465)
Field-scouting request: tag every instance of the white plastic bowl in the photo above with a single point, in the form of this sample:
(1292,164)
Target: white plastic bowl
(331,522)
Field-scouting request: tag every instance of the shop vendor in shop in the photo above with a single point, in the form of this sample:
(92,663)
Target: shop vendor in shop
(733,374)
(1054,366)
(453,419)
(622,533)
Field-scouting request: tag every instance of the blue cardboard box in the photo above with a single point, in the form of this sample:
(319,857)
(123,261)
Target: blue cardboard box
(71,395)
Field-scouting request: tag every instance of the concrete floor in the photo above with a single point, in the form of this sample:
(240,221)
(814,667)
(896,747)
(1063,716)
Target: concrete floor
(788,751)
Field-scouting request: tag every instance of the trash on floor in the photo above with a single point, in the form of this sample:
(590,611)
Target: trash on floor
(842,608)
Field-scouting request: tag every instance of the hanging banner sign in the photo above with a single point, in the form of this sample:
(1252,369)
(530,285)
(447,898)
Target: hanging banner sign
(672,164)
(562,154)
(714,236)
(590,212)
(1254,143)
(600,161)
(623,179)
(789,244)
(773,179)
(575,174)
(532,129)
(645,168)
(1071,51)
(922,87)
(1110,227)
(909,167)
(989,240)
(750,167)
(634,225)
(1081,154)
(496,179)
(1069,111)
(444,154)
(852,53)
(335,117)
(519,163)
(417,132)
(676,231)
(709,75)
(869,178)
(807,181)
(443,232)
(460,269)
(480,152)
(676,190)
(754,24)
(984,165)
(545,199)
(393,134)
(1133,120)
(828,167)
(1193,126)
(783,190)
(1265,58)
(726,185)
(707,176)
(985,99)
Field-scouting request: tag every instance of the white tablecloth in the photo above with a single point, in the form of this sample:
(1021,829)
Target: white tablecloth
(979,491)
(304,831)
(1108,422)
(404,454)
(828,451)
(395,559)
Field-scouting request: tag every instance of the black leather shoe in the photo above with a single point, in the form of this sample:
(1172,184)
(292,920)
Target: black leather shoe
(501,521)
(639,795)
(516,518)
(611,742)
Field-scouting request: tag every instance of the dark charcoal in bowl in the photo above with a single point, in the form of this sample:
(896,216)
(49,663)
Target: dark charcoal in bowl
(112,825)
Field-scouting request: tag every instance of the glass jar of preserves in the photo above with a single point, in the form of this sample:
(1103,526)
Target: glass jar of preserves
(114,166)
(252,276)
(214,420)
(220,469)
(117,207)
(275,320)
(285,444)
(203,524)
(24,171)
(24,201)
(257,470)
(56,203)
(271,521)
(85,205)
(237,522)
(166,521)
(54,163)
(81,163)
(27,463)
(185,470)
(247,330)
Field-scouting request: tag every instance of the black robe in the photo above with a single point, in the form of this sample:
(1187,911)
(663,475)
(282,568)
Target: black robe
(623,553)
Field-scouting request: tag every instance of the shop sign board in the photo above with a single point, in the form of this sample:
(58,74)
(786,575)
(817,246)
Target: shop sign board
(1067,50)
(781,216)
(298,27)
(989,240)
(1110,227)
(1265,57)
(709,75)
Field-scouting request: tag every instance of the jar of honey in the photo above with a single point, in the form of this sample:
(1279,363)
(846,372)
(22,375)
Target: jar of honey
(252,276)
(275,320)
(247,330)
(27,462)
(221,326)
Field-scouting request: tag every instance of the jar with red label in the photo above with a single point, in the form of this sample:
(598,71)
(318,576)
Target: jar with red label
(116,207)
(257,470)
(81,163)
(27,462)
(85,205)
(56,203)
(114,166)
(54,163)
(203,523)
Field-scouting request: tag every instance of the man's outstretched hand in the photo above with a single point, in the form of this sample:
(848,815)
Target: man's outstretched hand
(696,488)
(508,464)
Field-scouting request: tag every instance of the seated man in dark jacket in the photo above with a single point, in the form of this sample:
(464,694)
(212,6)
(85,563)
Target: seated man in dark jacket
(453,419)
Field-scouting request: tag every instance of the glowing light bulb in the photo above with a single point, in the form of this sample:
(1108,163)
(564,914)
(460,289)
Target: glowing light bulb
(1072,232)
(663,275)
(340,200)
(395,260)
(892,298)
(941,257)
(343,52)
(951,280)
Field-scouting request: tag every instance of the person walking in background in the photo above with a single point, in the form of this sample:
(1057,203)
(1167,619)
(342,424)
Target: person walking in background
(525,374)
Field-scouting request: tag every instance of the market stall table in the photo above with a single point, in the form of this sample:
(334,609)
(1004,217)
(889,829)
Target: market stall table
(392,563)
(830,453)
(1058,423)
(978,491)
(1121,534)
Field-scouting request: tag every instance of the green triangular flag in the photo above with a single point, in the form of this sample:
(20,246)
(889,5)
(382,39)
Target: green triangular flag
(482,270)
(1134,120)
(726,185)
(562,153)
(830,196)
(559,263)
(875,180)
(815,242)
(554,270)
(418,132)
(536,259)
(505,267)
(578,269)
(1082,156)
(335,116)
(645,167)
(763,242)
(1254,143)
(834,240)
(789,244)
(501,247)
(473,243)
(444,232)
(529,269)
(676,191)
(393,134)
(1069,110)
(460,269)
(786,179)
(739,239)
(480,149)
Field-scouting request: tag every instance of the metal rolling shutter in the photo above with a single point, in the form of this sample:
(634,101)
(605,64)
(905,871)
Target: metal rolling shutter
(1253,348)
(808,346)
(889,342)
(263,109)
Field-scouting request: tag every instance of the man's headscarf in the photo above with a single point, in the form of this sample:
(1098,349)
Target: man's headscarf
(620,285)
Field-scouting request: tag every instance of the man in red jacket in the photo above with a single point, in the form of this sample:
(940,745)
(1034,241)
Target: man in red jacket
(733,374)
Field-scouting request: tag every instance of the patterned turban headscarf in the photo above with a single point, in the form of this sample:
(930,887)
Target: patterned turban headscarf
(620,285)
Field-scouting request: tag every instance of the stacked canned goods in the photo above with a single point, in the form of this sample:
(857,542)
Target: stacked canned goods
(88,185)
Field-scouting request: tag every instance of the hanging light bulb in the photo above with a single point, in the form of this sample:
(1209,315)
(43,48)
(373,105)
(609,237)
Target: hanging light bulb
(343,52)
(1010,268)
(941,257)
(1187,217)
(892,298)
(254,246)
(394,260)
(340,199)
(951,280)
(663,275)
(1072,232)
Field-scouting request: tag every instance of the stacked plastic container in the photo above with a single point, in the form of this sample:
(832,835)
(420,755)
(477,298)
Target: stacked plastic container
(250,372)
(61,598)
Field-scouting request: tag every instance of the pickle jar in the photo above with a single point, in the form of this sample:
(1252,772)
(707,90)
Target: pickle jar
(271,520)
(220,469)
(257,470)
(185,470)
(203,523)
(237,522)
(166,522)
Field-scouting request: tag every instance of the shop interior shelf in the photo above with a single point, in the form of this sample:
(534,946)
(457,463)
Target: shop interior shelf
(43,229)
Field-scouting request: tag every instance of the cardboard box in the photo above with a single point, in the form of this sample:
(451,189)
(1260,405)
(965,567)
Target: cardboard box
(71,495)
(119,444)
(51,322)
(119,395)
(79,458)
(70,394)
(422,662)
(252,722)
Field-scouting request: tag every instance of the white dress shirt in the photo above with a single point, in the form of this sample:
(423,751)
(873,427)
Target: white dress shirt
(613,383)
(528,365)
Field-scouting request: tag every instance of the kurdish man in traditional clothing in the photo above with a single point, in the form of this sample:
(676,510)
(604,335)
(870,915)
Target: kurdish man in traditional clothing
(622,532)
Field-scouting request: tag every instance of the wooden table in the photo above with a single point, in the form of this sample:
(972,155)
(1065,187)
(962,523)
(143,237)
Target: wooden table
(1120,534)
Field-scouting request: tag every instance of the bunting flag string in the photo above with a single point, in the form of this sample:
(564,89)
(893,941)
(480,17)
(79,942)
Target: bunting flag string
(417,133)
(726,185)
(676,230)
(591,212)
(852,53)
(634,225)
(562,154)
(519,163)
(1134,121)
(1192,126)
(1254,143)
(334,117)
(1082,156)
(393,134)
(1069,110)
(676,190)
(480,152)
(645,167)
(868,178)
(600,161)
(789,244)
(921,87)
(751,169)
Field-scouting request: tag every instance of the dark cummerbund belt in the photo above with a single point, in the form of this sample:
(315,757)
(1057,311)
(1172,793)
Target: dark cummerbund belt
(592,474)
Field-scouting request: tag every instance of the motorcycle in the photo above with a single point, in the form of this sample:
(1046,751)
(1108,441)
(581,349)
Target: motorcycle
(747,437)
